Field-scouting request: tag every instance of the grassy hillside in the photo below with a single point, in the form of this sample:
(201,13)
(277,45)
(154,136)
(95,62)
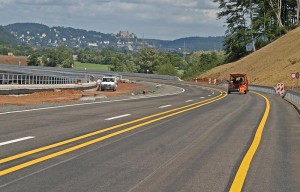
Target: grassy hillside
(267,66)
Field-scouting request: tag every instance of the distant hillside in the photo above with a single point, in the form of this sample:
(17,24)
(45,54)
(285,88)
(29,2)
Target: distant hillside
(268,66)
(191,44)
(6,37)
(41,35)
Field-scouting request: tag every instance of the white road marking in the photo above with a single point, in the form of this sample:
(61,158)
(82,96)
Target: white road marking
(209,95)
(213,93)
(93,103)
(16,140)
(202,97)
(188,101)
(165,106)
(117,117)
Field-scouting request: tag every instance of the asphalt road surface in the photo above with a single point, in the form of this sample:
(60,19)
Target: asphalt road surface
(199,140)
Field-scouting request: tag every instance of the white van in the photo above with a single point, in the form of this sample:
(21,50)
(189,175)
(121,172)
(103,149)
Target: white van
(109,83)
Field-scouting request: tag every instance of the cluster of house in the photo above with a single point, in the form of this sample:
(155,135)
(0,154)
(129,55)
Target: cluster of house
(123,39)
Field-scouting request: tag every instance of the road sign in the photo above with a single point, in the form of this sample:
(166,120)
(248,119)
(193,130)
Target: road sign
(293,75)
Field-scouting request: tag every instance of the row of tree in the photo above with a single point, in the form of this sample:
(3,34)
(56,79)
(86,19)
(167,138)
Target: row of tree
(60,56)
(146,60)
(251,24)
(149,60)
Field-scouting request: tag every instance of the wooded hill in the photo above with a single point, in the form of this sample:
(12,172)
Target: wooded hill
(41,35)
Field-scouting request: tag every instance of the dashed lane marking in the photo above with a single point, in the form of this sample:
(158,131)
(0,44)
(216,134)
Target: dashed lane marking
(16,140)
(117,117)
(165,106)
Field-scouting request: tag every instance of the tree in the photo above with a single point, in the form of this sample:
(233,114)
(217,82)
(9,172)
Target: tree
(33,60)
(276,6)
(237,34)
(200,62)
(117,64)
(298,11)
(148,60)
(50,59)
(166,69)
(65,56)
(255,22)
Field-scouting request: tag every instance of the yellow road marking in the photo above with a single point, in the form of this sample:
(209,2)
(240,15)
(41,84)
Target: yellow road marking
(7,159)
(241,174)
(44,158)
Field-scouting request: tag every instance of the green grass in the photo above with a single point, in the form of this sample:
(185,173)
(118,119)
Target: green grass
(91,66)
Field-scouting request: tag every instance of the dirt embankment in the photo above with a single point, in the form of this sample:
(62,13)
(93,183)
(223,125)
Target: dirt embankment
(68,95)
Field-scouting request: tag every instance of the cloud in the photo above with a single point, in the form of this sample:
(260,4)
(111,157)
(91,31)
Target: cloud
(154,17)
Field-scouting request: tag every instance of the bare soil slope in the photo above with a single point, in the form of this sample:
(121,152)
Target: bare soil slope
(67,95)
(268,66)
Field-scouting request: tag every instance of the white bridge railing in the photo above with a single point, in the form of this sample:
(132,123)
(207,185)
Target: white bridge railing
(27,79)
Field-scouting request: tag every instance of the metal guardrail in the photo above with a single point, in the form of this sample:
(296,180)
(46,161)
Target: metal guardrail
(293,96)
(264,89)
(290,95)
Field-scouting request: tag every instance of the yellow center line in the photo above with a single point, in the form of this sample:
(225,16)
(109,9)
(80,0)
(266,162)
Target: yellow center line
(241,174)
(4,160)
(27,153)
(76,147)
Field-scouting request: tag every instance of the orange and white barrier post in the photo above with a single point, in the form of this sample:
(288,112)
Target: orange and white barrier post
(280,89)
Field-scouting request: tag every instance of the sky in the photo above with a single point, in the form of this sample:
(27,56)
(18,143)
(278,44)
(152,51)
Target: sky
(151,19)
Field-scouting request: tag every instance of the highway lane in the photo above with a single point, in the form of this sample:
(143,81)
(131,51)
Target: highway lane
(198,150)
(276,166)
(54,125)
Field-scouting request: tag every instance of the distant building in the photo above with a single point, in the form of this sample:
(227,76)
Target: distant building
(10,54)
(92,44)
(124,34)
